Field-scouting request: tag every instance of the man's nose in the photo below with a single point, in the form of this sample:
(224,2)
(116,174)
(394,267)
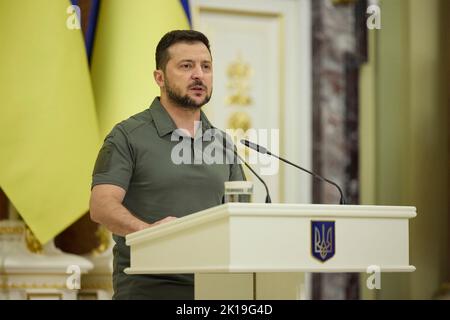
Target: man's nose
(197,73)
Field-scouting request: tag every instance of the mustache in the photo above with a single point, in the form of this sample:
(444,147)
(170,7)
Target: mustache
(197,83)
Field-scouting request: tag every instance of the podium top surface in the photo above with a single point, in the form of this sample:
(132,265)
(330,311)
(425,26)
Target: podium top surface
(275,210)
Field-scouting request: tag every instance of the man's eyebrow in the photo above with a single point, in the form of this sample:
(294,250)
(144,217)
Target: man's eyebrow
(193,61)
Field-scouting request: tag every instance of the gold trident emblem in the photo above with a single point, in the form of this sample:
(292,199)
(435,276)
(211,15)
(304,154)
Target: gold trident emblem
(323,245)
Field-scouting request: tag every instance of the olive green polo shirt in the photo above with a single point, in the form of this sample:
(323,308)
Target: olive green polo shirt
(164,174)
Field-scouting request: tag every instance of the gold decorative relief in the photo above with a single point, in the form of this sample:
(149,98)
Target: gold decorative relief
(239,74)
(32,285)
(44,296)
(240,120)
(11,230)
(32,242)
(96,285)
(104,237)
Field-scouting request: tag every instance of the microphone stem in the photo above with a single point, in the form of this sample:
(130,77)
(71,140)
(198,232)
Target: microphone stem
(268,200)
(341,201)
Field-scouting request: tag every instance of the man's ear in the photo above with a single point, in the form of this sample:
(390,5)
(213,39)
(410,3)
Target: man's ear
(159,77)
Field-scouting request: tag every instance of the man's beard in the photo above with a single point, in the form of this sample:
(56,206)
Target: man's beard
(185,101)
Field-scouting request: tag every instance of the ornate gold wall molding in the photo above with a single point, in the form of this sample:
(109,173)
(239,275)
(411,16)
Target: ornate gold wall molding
(239,75)
(31,285)
(4,230)
(104,237)
(32,242)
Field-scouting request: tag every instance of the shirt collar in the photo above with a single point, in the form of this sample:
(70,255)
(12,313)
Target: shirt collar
(164,123)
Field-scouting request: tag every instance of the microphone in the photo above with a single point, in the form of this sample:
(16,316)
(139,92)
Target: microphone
(268,199)
(263,150)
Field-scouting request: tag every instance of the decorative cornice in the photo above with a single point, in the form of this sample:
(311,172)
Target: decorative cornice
(32,285)
(11,230)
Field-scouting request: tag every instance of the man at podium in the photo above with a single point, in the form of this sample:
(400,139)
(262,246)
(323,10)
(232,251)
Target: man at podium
(137,180)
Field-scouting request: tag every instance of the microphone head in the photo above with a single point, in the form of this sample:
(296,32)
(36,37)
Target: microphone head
(245,142)
(253,146)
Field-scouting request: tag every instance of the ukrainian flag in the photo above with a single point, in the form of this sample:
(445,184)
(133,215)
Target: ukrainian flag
(48,128)
(123,55)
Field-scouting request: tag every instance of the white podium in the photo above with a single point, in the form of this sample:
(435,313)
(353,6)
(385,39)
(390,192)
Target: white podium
(236,249)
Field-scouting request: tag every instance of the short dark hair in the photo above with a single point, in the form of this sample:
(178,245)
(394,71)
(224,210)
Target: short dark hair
(173,37)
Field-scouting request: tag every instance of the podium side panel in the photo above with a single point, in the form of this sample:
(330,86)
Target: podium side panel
(224,286)
(203,247)
(280,286)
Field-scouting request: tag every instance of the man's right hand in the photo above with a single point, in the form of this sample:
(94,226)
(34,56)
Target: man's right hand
(165,220)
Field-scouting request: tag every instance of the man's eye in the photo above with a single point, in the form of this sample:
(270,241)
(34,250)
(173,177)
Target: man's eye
(185,66)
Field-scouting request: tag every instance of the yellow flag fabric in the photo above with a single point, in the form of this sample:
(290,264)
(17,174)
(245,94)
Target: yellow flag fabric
(48,130)
(123,55)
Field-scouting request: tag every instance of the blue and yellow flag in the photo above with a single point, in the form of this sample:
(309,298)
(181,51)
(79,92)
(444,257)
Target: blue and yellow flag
(48,128)
(123,55)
